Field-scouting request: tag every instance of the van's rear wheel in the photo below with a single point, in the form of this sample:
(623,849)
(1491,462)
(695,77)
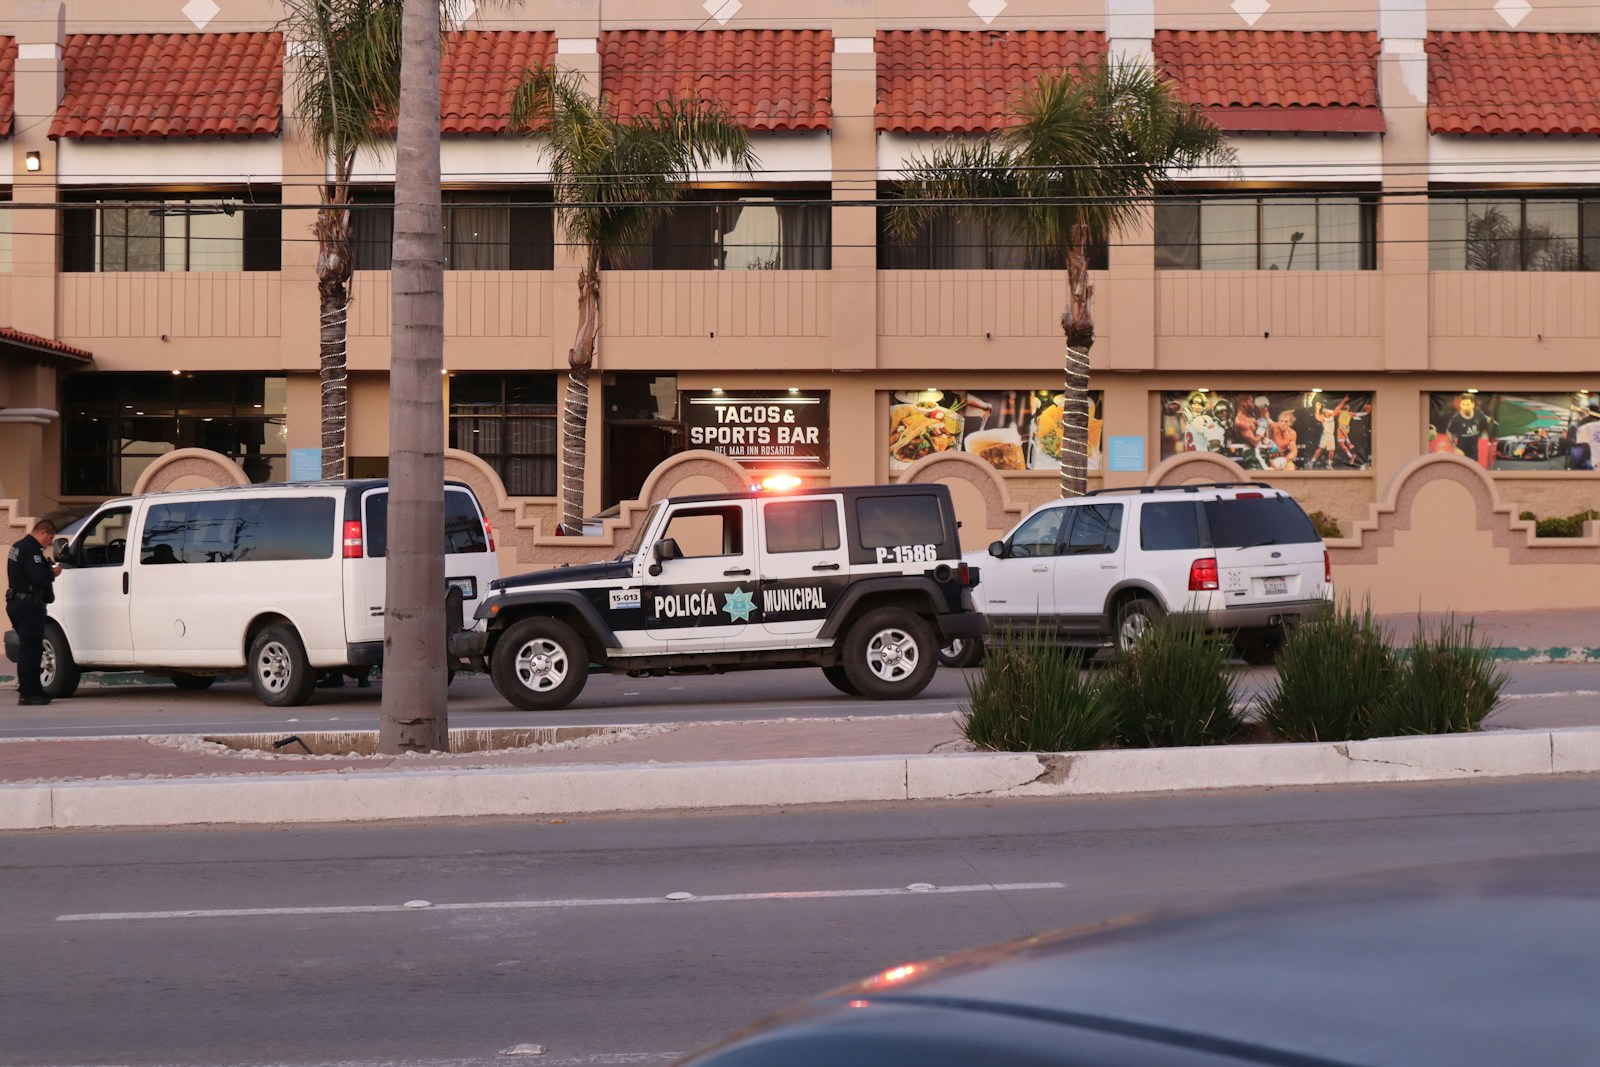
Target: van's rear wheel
(890,654)
(280,673)
(540,664)
(962,652)
(58,674)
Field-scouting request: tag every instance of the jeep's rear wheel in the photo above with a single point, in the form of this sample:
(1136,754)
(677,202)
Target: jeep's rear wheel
(1134,619)
(839,678)
(540,664)
(890,654)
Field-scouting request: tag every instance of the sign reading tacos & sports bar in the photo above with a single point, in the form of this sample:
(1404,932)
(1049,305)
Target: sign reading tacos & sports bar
(787,428)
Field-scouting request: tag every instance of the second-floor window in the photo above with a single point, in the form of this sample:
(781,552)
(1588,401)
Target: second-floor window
(483,230)
(983,240)
(1513,233)
(1267,233)
(172,233)
(737,231)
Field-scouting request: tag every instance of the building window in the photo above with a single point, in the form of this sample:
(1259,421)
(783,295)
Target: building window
(509,422)
(991,241)
(482,231)
(1513,233)
(1268,233)
(737,232)
(116,425)
(217,233)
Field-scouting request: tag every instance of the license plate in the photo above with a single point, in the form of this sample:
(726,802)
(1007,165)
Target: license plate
(1276,586)
(467,584)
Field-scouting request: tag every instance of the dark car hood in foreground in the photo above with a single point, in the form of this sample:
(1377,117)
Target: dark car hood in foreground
(1473,964)
(609,571)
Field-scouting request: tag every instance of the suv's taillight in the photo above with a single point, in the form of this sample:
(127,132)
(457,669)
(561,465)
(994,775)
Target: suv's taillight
(352,539)
(488,532)
(1327,568)
(1203,575)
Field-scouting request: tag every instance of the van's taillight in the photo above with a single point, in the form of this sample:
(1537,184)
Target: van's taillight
(1327,568)
(1203,575)
(488,532)
(352,539)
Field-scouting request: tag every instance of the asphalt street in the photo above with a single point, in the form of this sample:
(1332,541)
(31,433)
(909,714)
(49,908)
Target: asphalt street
(1551,694)
(312,945)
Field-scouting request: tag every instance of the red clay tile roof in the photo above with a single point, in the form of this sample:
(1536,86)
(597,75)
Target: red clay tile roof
(8,70)
(1277,79)
(41,345)
(477,72)
(171,85)
(767,79)
(959,81)
(1500,82)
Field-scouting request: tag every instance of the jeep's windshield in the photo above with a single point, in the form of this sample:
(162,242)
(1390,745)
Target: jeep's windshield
(640,530)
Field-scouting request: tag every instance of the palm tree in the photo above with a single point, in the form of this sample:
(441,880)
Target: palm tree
(1087,152)
(415,716)
(347,92)
(614,181)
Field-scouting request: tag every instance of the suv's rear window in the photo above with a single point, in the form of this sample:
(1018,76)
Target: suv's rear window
(1273,520)
(1169,526)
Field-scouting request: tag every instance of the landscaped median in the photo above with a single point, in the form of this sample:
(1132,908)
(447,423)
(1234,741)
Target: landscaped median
(558,790)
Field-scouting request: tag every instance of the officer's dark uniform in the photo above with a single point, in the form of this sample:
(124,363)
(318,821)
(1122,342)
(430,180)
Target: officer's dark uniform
(31,579)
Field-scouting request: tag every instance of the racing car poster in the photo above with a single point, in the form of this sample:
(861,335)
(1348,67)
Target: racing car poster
(1518,431)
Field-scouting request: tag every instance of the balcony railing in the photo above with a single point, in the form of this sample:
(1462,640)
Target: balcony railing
(749,303)
(1276,303)
(156,304)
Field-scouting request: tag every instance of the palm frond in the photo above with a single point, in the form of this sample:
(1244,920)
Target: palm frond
(963,178)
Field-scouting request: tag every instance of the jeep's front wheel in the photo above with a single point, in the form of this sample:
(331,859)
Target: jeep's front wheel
(890,654)
(540,664)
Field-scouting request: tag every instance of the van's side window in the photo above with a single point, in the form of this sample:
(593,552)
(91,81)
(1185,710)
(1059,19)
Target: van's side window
(239,530)
(463,527)
(104,542)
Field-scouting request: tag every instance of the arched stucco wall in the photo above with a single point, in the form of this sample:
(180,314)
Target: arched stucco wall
(189,468)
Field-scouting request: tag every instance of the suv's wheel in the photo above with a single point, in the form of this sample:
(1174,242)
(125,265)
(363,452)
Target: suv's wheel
(193,683)
(1259,650)
(58,674)
(540,664)
(280,673)
(962,652)
(839,678)
(890,654)
(1134,619)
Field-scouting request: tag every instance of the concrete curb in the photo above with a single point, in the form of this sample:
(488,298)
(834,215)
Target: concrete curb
(567,790)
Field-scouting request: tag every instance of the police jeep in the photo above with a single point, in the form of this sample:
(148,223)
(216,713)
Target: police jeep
(866,583)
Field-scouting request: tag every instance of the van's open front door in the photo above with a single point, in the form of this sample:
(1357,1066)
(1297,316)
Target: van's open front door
(92,602)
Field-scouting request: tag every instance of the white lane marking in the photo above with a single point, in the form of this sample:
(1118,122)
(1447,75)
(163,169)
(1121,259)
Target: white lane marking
(506,905)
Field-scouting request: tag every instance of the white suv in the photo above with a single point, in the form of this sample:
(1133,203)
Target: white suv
(1098,569)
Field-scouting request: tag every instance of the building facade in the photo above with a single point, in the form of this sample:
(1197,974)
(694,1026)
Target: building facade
(1405,261)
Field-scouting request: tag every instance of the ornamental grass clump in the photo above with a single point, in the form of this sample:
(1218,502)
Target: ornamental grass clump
(1449,683)
(1335,675)
(1173,688)
(1030,696)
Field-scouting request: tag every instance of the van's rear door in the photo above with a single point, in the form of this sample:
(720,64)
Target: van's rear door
(1267,550)
(470,562)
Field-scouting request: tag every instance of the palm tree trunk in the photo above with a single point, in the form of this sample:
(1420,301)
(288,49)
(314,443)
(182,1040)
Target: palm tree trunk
(334,265)
(1077,322)
(575,411)
(415,717)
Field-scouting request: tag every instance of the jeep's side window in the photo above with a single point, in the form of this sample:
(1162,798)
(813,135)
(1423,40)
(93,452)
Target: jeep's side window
(888,521)
(104,541)
(1040,535)
(1096,528)
(802,526)
(702,532)
(1167,527)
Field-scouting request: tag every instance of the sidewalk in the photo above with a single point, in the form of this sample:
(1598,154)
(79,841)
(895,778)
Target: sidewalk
(179,780)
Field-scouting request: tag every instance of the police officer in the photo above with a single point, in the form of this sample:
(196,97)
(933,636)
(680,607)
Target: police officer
(30,578)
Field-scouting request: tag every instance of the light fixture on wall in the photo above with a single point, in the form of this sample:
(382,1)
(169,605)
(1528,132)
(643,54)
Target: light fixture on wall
(33,161)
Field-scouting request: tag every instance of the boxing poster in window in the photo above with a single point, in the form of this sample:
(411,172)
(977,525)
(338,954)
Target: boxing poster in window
(1269,430)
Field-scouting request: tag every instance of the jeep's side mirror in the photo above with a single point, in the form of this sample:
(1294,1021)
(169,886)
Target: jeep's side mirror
(998,550)
(661,551)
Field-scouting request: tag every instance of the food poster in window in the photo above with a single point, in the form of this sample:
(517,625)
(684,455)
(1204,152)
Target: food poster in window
(1013,430)
(1517,431)
(1271,430)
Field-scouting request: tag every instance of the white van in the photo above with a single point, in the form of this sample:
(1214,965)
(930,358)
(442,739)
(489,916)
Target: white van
(280,582)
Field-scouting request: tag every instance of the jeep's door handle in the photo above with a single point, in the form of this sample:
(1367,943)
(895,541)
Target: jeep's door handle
(825,567)
(734,573)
